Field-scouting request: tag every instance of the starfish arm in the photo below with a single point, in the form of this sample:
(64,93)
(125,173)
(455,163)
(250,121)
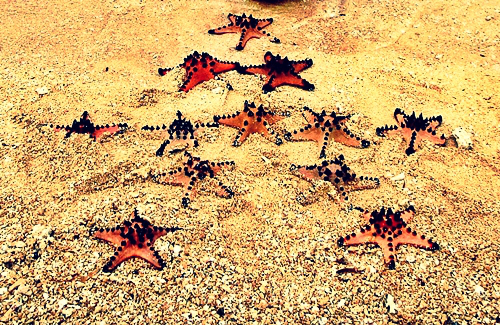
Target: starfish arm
(223,191)
(236,120)
(193,79)
(246,35)
(309,172)
(129,251)
(225,29)
(100,130)
(431,136)
(241,137)
(177,177)
(343,135)
(256,69)
(221,66)
(387,130)
(411,238)
(365,237)
(111,236)
(263,23)
(361,183)
(299,66)
(308,133)
(289,78)
(399,115)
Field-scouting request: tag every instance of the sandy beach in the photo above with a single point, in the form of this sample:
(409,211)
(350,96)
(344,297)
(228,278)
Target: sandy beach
(269,254)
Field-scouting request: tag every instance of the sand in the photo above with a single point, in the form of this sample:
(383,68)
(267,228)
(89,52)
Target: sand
(263,256)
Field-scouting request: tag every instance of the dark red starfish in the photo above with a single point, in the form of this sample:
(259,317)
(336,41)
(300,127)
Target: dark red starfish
(84,125)
(195,170)
(388,230)
(414,129)
(249,27)
(336,172)
(199,68)
(134,239)
(324,127)
(280,71)
(181,133)
(252,120)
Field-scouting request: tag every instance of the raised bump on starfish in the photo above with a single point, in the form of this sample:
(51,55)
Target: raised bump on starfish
(249,27)
(253,119)
(85,126)
(388,230)
(324,127)
(336,172)
(195,170)
(199,68)
(181,134)
(280,71)
(134,238)
(414,129)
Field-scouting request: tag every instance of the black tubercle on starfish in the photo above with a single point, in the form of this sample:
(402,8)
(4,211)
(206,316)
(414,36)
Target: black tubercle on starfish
(414,129)
(337,173)
(135,238)
(85,126)
(199,68)
(195,170)
(280,71)
(324,127)
(249,27)
(180,132)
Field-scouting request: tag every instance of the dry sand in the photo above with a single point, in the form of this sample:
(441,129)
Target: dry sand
(260,257)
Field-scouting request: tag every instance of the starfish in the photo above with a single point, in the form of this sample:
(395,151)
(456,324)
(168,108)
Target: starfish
(199,68)
(249,27)
(280,71)
(195,170)
(336,172)
(323,127)
(414,129)
(84,125)
(388,230)
(252,120)
(134,239)
(181,132)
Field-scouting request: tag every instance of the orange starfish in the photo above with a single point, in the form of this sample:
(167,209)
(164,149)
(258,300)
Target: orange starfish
(252,120)
(195,170)
(134,239)
(249,27)
(199,68)
(324,127)
(388,230)
(336,172)
(414,129)
(280,71)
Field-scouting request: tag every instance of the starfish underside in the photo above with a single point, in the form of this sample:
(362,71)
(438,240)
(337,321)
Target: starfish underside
(195,170)
(134,238)
(388,230)
(181,134)
(199,68)
(280,71)
(414,129)
(323,128)
(249,27)
(336,172)
(252,120)
(85,126)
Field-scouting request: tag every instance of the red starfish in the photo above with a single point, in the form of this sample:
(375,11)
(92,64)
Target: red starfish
(337,173)
(134,239)
(249,27)
(195,170)
(199,68)
(323,127)
(414,129)
(181,132)
(388,230)
(280,71)
(252,120)
(84,125)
